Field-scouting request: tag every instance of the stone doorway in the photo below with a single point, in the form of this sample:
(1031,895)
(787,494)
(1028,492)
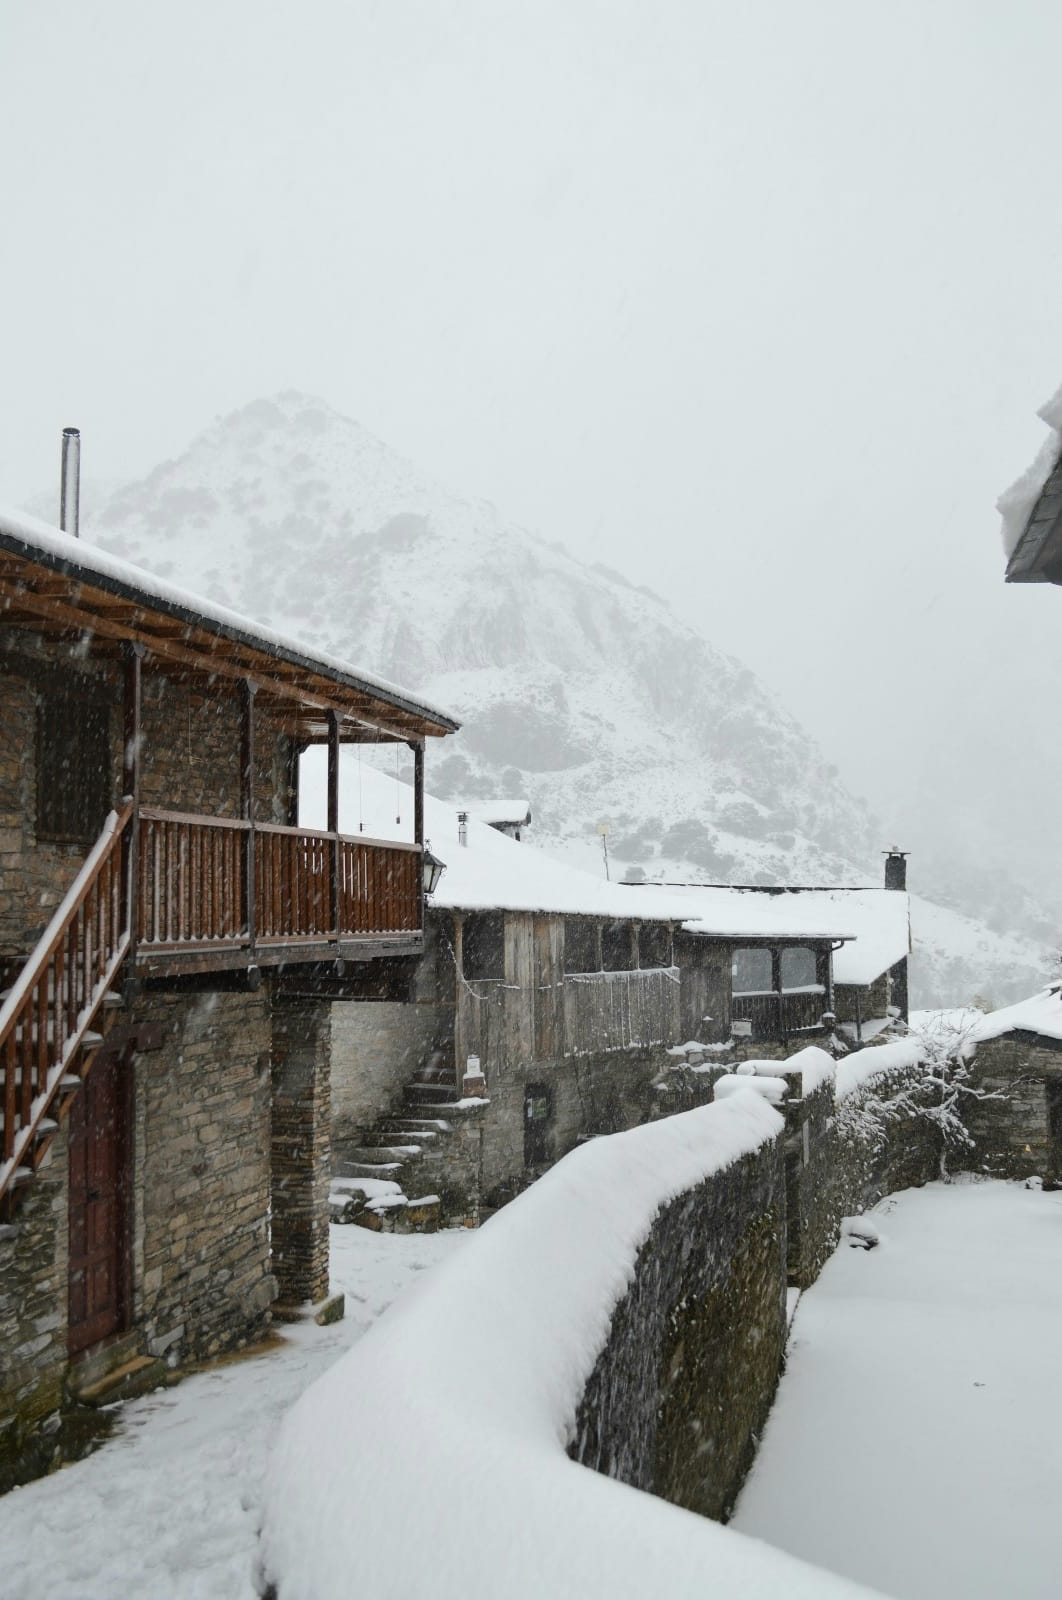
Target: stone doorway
(99,1202)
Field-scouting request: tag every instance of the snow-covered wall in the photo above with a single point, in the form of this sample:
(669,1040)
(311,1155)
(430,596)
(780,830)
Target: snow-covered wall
(441,1444)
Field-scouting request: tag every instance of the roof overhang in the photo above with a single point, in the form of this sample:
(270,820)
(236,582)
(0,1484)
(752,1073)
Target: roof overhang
(1037,556)
(46,586)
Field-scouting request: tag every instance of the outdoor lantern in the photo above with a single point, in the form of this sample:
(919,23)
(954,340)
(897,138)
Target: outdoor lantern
(433,870)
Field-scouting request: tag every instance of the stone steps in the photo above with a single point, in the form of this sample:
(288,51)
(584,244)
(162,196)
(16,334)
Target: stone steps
(135,1377)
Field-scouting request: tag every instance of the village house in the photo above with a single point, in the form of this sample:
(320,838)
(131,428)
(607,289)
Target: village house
(550,1006)
(164,1100)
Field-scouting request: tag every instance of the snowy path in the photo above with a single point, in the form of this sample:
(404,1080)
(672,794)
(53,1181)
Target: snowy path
(168,1509)
(915,1441)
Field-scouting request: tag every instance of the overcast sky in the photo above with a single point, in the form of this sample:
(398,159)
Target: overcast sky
(753,301)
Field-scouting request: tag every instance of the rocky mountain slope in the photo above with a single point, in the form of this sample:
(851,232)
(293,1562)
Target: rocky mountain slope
(576,689)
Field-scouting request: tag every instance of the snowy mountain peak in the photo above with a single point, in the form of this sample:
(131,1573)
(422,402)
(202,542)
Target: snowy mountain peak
(575,688)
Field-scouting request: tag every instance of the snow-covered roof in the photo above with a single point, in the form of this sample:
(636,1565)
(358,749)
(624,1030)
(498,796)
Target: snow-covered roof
(1018,504)
(1041,1013)
(493,872)
(876,922)
(501,813)
(28,537)
(489,872)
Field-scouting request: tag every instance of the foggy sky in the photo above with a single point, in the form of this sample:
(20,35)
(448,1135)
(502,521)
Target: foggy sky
(752,301)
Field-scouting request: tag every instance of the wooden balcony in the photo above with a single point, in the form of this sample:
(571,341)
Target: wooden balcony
(218,892)
(775,1014)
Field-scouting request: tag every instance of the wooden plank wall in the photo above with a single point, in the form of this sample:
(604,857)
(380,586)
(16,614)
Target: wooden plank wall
(536,1013)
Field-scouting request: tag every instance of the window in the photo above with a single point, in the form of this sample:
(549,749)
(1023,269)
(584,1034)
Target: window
(580,945)
(751,971)
(798,968)
(73,760)
(483,946)
(617,946)
(654,944)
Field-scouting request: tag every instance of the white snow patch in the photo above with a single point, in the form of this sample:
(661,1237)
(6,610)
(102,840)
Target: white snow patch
(1015,505)
(858,1068)
(413,1465)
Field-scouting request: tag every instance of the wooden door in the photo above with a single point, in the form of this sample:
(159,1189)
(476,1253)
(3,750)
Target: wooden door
(99,1203)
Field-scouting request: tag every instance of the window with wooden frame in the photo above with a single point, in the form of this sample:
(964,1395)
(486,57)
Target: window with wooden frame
(654,945)
(73,759)
(483,946)
(582,952)
(617,946)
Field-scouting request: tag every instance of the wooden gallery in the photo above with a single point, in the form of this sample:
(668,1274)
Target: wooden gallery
(164,1094)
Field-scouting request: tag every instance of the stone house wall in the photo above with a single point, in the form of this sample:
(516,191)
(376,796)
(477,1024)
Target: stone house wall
(682,1388)
(33,1324)
(1018,1135)
(202,1280)
(190,762)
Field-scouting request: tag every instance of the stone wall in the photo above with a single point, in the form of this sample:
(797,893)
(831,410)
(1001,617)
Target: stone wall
(301,1148)
(33,1324)
(190,762)
(202,1281)
(684,1383)
(377,1046)
(1018,1134)
(844,1154)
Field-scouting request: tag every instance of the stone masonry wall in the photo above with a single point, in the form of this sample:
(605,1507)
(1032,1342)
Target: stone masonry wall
(592,1094)
(1018,1135)
(201,1251)
(684,1383)
(850,1157)
(33,1324)
(190,762)
(377,1046)
(301,1148)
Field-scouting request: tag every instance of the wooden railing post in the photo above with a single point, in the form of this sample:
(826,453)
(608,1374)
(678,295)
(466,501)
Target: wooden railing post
(776,985)
(247,805)
(417,746)
(131,737)
(333,823)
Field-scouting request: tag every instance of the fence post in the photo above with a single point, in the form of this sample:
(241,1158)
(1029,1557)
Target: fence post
(333,821)
(131,735)
(247,807)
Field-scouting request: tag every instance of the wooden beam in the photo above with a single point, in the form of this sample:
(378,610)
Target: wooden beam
(247,800)
(209,663)
(131,767)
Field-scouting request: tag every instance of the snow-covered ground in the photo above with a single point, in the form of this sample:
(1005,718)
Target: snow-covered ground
(914,1441)
(169,1508)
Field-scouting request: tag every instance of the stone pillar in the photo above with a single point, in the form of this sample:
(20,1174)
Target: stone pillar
(301,1148)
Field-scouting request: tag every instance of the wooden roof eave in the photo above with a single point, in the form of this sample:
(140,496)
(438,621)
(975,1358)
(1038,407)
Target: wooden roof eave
(1037,557)
(98,606)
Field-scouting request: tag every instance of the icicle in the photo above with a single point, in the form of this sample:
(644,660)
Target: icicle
(361,810)
(398,793)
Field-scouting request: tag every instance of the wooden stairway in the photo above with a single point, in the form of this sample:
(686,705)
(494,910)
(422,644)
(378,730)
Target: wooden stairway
(51,1017)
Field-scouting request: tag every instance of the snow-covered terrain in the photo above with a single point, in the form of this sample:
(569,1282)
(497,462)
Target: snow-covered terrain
(912,1441)
(169,1508)
(469,1392)
(577,690)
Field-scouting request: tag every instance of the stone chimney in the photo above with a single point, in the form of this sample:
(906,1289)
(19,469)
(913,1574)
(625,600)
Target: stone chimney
(896,868)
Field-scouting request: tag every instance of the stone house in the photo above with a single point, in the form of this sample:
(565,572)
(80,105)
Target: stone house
(549,1006)
(805,951)
(164,1104)
(1015,1062)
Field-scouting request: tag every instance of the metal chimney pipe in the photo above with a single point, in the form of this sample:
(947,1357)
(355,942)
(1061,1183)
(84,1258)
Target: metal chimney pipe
(462,827)
(70,486)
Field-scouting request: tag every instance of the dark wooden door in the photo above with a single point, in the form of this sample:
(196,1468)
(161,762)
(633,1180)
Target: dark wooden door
(99,1199)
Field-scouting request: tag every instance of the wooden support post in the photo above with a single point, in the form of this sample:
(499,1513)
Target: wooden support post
(333,822)
(776,985)
(248,690)
(131,738)
(459,999)
(418,821)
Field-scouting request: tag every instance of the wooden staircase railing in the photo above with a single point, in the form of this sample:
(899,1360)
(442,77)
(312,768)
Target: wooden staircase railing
(46,1019)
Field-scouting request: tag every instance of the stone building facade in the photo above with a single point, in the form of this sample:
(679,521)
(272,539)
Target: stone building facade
(165,1143)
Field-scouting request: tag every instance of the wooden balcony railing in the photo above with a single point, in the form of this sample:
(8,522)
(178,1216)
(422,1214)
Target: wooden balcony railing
(209,881)
(47,1015)
(775,1014)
